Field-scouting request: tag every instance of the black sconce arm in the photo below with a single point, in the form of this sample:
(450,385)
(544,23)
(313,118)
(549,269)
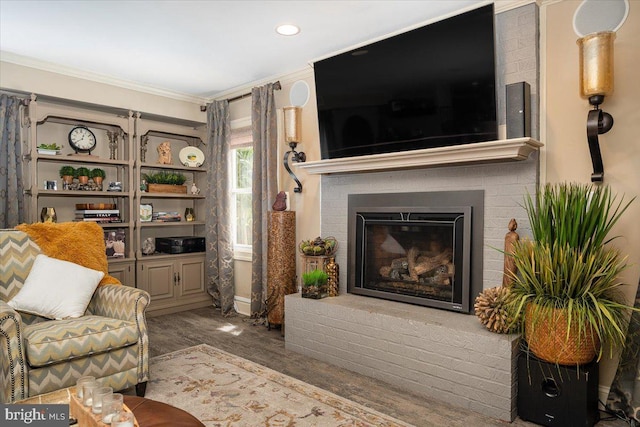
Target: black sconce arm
(298,157)
(598,122)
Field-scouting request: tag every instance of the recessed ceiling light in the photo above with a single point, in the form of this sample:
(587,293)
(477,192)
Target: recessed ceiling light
(287,29)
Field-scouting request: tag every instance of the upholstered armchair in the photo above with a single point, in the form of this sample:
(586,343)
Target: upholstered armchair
(38,355)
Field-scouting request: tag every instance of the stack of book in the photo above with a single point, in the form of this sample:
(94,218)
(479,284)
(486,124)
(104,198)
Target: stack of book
(98,215)
(166,217)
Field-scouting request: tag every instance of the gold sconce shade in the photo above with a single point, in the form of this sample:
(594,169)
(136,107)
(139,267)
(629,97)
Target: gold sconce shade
(292,124)
(596,63)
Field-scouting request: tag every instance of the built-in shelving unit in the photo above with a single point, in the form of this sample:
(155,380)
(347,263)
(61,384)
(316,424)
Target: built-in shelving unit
(175,281)
(50,122)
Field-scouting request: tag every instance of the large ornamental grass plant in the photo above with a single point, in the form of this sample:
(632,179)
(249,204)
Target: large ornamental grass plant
(567,286)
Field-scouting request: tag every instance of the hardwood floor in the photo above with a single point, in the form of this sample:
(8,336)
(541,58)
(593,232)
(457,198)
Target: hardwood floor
(238,335)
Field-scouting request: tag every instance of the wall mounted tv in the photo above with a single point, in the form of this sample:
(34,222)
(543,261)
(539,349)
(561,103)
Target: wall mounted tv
(430,87)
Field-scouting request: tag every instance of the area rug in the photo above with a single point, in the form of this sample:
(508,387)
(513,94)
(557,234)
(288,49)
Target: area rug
(221,389)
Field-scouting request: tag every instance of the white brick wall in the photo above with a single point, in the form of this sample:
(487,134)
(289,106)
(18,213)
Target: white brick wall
(441,354)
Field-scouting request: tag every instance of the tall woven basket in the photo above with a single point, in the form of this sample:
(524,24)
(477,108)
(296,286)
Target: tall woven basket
(547,338)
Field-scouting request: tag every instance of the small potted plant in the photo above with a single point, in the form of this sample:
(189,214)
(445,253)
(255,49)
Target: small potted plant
(314,284)
(165,182)
(67,173)
(51,149)
(97,175)
(82,174)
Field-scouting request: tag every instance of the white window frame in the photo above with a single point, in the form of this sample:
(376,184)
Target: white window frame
(240,252)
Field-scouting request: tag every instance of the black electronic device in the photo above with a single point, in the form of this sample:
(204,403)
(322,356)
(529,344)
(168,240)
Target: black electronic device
(518,97)
(180,244)
(429,87)
(557,396)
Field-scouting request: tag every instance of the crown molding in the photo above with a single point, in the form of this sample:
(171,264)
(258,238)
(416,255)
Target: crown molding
(25,61)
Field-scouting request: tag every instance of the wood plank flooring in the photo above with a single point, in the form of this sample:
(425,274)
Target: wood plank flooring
(238,335)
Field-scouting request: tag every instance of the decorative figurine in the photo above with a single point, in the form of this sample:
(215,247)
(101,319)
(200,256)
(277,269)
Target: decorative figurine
(281,202)
(164,153)
(509,264)
(113,144)
(148,246)
(143,148)
(194,190)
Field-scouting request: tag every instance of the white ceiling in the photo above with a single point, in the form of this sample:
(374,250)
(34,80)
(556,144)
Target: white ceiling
(199,48)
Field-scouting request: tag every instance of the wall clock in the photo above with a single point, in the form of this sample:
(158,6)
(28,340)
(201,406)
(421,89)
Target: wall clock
(82,140)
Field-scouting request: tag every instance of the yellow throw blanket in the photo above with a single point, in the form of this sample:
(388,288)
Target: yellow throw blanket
(78,242)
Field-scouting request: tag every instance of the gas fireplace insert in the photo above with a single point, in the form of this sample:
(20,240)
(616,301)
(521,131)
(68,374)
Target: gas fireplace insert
(418,248)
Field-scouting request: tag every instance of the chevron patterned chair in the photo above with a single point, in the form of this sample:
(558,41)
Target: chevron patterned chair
(39,355)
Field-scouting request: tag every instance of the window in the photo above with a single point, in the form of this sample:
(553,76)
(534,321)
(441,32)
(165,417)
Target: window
(241,172)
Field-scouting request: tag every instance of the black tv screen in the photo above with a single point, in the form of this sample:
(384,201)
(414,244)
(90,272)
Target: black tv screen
(430,87)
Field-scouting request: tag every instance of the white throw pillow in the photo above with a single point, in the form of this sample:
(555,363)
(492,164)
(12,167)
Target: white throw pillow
(56,289)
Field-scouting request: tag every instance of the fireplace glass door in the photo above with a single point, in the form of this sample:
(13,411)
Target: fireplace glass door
(416,256)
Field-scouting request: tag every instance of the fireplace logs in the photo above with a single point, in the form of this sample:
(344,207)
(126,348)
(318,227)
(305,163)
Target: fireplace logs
(422,267)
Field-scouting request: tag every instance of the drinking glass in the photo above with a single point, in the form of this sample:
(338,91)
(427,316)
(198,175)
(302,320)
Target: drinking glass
(111,405)
(80,384)
(87,393)
(122,419)
(98,395)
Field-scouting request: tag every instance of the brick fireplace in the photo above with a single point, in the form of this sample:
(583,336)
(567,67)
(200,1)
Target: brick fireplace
(438,353)
(442,354)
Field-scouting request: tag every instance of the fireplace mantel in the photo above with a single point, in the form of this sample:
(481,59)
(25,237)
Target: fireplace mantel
(503,150)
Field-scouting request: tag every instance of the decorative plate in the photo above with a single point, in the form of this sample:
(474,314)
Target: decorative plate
(191,156)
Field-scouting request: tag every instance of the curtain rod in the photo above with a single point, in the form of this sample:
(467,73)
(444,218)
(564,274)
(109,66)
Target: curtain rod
(276,86)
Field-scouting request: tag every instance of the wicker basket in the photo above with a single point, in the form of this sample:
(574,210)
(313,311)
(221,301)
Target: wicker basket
(547,339)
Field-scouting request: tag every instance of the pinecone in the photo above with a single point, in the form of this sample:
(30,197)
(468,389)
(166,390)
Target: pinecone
(491,309)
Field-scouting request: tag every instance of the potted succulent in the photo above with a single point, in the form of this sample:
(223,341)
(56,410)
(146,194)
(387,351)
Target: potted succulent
(566,292)
(67,173)
(97,175)
(82,174)
(165,182)
(314,284)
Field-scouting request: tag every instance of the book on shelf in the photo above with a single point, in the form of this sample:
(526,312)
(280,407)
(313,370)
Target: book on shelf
(100,220)
(108,216)
(115,243)
(97,211)
(166,217)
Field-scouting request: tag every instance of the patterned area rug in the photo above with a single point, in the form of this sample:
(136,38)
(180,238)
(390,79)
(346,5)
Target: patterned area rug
(221,389)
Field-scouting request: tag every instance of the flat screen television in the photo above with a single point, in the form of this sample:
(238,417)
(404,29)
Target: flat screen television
(430,87)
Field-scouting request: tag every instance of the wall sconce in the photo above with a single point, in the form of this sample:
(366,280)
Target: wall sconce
(292,134)
(596,81)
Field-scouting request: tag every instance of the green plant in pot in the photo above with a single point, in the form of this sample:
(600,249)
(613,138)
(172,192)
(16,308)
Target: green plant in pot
(566,294)
(67,173)
(97,175)
(314,284)
(82,174)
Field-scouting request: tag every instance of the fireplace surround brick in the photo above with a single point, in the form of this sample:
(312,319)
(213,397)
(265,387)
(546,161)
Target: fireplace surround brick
(444,355)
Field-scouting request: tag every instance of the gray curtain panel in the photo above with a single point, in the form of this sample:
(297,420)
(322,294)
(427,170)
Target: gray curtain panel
(264,188)
(624,395)
(219,254)
(12,210)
